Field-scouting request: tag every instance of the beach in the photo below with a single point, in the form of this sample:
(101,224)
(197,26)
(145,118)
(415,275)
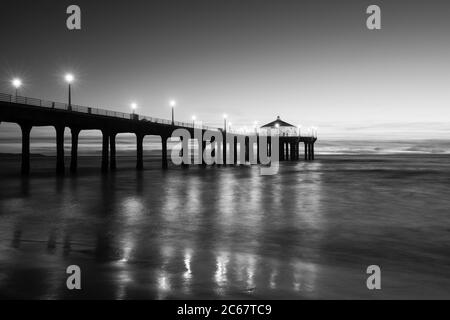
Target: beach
(309,232)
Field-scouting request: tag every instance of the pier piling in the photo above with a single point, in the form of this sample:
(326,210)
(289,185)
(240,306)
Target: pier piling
(74,151)
(105,151)
(60,168)
(112,151)
(26,129)
(164,152)
(139,152)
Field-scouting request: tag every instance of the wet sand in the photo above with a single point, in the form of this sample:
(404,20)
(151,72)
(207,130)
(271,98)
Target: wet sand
(218,233)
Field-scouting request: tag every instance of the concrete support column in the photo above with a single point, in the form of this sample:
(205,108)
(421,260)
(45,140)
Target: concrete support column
(74,151)
(203,153)
(164,152)
(247,149)
(269,146)
(213,151)
(312,151)
(257,149)
(139,151)
(60,167)
(184,148)
(294,151)
(235,154)
(112,152)
(309,151)
(306,151)
(224,148)
(26,129)
(105,151)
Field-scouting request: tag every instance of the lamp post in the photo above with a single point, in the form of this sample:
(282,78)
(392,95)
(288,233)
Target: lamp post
(69,79)
(193,121)
(255,124)
(17,83)
(225,122)
(173,103)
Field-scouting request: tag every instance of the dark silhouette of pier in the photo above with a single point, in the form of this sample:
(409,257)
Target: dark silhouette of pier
(31,112)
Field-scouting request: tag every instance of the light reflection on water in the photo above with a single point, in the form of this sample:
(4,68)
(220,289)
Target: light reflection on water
(220,232)
(221,272)
(187,275)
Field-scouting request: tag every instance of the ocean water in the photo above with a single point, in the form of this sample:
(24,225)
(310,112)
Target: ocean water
(309,232)
(373,147)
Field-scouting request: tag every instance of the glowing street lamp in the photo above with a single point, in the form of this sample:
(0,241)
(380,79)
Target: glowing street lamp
(69,79)
(134,106)
(17,83)
(173,103)
(277,125)
(255,125)
(193,121)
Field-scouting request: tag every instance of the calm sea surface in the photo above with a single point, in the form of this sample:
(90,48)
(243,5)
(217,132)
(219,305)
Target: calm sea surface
(308,232)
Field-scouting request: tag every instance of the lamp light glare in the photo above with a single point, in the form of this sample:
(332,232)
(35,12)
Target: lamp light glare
(69,78)
(17,83)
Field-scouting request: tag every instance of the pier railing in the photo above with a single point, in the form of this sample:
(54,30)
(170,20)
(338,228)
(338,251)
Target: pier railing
(129,116)
(95,111)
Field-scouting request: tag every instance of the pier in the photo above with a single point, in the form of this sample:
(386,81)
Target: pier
(30,112)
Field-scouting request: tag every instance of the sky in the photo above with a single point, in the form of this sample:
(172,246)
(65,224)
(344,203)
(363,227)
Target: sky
(314,63)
